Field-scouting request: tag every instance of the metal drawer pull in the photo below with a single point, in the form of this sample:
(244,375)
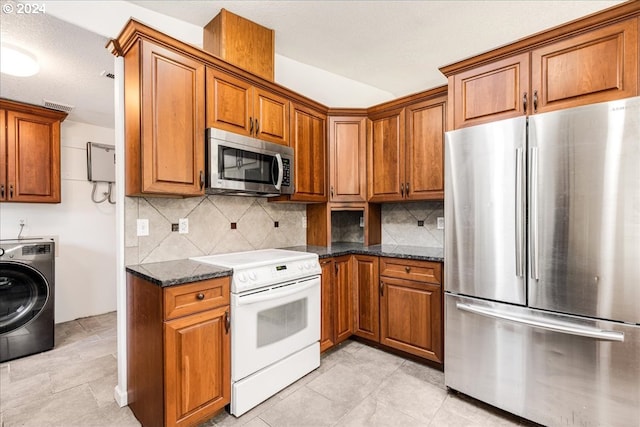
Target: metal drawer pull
(407,269)
(200,296)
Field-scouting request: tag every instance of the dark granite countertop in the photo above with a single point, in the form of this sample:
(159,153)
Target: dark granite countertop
(394,251)
(169,273)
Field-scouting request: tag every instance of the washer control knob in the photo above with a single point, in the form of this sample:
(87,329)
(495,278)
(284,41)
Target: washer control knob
(242,277)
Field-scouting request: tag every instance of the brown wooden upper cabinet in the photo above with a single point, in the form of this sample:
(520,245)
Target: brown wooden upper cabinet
(581,63)
(308,139)
(347,159)
(405,159)
(235,105)
(164,121)
(29,153)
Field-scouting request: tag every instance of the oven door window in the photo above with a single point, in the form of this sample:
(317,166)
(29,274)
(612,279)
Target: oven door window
(246,166)
(23,294)
(278,323)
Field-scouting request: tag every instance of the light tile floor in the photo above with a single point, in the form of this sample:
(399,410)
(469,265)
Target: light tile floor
(356,385)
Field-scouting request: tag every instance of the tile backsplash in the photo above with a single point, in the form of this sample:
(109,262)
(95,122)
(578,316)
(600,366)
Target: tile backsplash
(210,232)
(400,224)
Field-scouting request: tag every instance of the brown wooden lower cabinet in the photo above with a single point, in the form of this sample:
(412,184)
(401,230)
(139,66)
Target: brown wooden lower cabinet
(396,302)
(367,297)
(179,348)
(411,307)
(336,301)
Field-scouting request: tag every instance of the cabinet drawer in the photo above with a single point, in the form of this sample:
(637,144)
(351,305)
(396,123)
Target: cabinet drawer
(195,297)
(422,271)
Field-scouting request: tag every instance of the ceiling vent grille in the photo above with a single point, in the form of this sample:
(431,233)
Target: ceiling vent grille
(58,106)
(108,75)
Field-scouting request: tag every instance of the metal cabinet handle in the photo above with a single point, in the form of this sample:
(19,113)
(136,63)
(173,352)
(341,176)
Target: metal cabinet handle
(524,102)
(11,191)
(2,191)
(201,180)
(200,296)
(406,189)
(402,189)
(407,269)
(336,267)
(250,125)
(257,127)
(381,288)
(227,321)
(332,191)
(535,101)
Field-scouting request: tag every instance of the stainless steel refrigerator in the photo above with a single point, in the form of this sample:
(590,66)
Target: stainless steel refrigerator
(542,264)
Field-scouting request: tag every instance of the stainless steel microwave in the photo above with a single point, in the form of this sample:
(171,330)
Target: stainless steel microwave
(242,165)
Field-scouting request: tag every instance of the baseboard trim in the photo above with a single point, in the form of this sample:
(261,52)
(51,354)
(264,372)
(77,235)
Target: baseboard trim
(120,396)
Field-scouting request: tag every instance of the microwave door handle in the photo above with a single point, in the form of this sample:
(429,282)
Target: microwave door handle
(278,158)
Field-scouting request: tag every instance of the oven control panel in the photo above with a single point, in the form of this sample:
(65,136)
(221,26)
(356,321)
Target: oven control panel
(257,277)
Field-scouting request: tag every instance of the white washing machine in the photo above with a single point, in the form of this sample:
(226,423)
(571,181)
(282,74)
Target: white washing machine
(27,276)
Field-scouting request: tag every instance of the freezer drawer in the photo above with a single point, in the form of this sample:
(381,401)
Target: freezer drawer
(553,369)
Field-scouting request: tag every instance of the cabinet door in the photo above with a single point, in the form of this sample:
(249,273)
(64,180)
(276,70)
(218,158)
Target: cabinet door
(197,367)
(271,117)
(424,156)
(347,159)
(3,156)
(411,317)
(173,92)
(343,286)
(367,297)
(309,144)
(33,158)
(491,92)
(229,102)
(385,157)
(601,65)
(327,328)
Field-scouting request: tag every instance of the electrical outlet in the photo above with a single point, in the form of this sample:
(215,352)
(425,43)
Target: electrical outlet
(183,225)
(440,224)
(142,227)
(361,222)
(304,222)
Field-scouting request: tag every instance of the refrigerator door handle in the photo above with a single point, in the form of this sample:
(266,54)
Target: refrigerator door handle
(556,326)
(533,219)
(519,213)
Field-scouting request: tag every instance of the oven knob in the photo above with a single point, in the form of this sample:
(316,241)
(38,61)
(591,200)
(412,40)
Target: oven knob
(242,277)
(252,275)
(300,267)
(307,266)
(1,251)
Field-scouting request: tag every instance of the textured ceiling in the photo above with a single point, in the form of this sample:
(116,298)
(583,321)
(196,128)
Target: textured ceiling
(394,46)
(71,60)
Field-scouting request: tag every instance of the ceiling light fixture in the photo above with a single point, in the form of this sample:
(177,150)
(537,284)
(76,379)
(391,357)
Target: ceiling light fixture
(17,62)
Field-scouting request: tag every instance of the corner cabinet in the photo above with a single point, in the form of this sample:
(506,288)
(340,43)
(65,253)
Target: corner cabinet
(385,157)
(347,159)
(29,153)
(178,341)
(164,121)
(235,105)
(411,307)
(594,59)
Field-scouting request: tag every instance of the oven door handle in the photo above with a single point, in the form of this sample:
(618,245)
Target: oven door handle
(273,294)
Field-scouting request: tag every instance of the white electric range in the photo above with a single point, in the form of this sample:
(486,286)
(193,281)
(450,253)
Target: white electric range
(275,321)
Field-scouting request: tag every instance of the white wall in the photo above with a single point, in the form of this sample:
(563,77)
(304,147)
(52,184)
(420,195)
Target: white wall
(86,253)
